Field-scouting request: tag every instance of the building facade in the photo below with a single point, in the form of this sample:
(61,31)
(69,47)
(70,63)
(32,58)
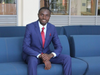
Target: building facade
(64,12)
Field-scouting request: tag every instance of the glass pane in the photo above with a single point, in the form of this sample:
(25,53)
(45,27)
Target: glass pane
(83,7)
(7,7)
(98,7)
(59,7)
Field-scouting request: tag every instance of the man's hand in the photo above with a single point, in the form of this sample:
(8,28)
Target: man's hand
(47,65)
(46,57)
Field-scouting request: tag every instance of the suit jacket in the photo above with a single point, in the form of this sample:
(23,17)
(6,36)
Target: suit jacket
(32,44)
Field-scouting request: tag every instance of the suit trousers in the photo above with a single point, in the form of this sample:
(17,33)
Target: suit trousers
(65,60)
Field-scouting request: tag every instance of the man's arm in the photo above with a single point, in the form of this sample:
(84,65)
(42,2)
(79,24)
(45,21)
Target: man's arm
(56,43)
(26,43)
(46,58)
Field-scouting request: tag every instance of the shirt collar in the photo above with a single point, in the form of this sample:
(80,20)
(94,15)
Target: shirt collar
(41,26)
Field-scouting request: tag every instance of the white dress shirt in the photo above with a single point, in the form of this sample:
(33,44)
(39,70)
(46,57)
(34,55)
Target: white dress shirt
(45,29)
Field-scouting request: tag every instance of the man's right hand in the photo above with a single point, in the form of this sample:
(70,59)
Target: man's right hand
(46,62)
(47,65)
(46,57)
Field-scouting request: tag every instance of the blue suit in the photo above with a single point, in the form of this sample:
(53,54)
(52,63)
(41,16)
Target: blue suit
(32,46)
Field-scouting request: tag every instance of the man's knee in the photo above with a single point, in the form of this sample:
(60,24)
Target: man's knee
(32,59)
(67,58)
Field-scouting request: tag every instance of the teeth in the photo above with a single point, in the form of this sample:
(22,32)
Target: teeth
(44,20)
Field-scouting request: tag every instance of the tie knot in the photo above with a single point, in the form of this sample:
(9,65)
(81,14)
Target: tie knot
(43,28)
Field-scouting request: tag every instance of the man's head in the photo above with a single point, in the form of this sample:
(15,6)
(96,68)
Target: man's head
(44,15)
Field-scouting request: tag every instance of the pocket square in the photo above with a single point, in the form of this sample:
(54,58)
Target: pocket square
(50,34)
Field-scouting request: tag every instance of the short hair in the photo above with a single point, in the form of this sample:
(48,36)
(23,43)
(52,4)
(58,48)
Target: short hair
(44,8)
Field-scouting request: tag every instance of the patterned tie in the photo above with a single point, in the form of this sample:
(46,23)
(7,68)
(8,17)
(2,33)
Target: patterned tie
(43,36)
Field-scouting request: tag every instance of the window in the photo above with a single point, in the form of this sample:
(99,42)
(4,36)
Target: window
(58,7)
(7,7)
(83,7)
(8,15)
(77,7)
(98,7)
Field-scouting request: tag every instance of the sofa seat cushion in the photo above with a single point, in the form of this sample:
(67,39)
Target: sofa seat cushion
(78,66)
(94,65)
(13,68)
(20,68)
(11,49)
(56,69)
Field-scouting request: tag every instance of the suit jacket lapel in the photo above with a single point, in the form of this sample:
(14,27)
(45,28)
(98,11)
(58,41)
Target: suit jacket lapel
(38,32)
(47,34)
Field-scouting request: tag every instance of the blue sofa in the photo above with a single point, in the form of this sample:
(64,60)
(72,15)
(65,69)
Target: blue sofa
(11,62)
(85,59)
(87,48)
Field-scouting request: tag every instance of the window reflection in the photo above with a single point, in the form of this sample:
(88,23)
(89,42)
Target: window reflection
(7,7)
(78,7)
(58,7)
(83,7)
(98,7)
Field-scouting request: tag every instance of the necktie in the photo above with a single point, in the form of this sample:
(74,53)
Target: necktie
(43,37)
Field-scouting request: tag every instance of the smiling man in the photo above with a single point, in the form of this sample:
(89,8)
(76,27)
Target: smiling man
(38,36)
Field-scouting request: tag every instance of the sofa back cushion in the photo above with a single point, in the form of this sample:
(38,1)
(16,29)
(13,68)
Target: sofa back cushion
(12,31)
(85,45)
(64,43)
(19,31)
(60,30)
(10,49)
(81,30)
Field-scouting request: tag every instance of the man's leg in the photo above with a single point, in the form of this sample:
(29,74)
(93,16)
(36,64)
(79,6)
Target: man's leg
(32,65)
(65,60)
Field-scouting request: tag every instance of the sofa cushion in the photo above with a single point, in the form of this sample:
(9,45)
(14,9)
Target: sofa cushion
(64,43)
(78,67)
(3,52)
(19,31)
(85,45)
(11,49)
(13,68)
(81,30)
(60,30)
(56,69)
(94,65)
(12,31)
(20,68)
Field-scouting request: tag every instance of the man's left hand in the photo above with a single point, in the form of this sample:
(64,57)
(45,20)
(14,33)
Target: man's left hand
(46,57)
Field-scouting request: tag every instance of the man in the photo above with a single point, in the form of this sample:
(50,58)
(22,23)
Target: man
(37,39)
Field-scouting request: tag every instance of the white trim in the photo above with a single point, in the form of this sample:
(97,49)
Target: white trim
(69,12)
(7,15)
(6,22)
(96,11)
(17,12)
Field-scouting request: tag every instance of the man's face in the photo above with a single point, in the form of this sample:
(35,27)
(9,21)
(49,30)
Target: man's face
(44,16)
